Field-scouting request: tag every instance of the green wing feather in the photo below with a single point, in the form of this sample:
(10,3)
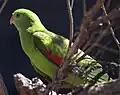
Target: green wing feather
(55,43)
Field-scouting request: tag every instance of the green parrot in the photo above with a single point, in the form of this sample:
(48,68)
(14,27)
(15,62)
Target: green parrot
(46,49)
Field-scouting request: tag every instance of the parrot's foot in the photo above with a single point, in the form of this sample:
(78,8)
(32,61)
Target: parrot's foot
(55,85)
(77,90)
(60,75)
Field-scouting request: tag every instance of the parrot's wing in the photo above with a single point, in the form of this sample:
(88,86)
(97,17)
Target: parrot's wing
(54,43)
(42,41)
(45,42)
(52,46)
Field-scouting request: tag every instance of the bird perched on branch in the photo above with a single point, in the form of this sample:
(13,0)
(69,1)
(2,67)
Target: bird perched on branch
(46,49)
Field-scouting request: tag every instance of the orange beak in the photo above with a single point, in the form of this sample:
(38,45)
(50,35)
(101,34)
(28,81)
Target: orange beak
(11,20)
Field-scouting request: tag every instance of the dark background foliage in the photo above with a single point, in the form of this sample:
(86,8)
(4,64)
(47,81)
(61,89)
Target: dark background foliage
(53,14)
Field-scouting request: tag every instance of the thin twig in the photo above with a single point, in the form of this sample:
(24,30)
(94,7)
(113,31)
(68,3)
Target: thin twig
(108,4)
(106,48)
(72,4)
(69,7)
(84,7)
(109,23)
(3,5)
(3,89)
(112,32)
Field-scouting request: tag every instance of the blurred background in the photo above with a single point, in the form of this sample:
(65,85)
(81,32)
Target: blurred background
(54,16)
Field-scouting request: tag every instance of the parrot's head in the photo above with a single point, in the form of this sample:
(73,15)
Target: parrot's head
(24,18)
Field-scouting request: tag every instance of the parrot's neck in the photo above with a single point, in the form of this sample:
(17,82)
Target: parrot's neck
(26,42)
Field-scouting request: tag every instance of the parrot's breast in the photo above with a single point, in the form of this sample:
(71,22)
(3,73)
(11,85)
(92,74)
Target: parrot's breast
(27,43)
(36,57)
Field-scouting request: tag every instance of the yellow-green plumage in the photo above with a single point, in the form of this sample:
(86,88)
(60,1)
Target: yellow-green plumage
(35,37)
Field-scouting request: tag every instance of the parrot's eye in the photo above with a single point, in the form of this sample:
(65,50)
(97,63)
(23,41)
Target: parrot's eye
(17,15)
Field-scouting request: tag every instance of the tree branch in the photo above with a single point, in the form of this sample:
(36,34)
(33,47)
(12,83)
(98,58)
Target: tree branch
(3,89)
(35,86)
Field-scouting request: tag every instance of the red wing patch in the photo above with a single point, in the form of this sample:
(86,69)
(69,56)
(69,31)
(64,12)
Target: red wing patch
(54,58)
